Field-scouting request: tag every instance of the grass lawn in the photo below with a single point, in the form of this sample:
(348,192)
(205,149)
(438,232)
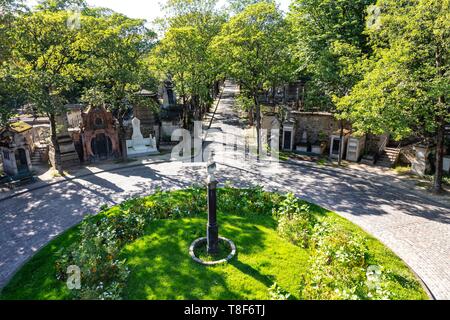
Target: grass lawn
(161,267)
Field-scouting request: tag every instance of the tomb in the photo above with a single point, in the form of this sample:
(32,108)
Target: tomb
(335,144)
(269,123)
(99,135)
(146,113)
(447,164)
(138,145)
(421,164)
(355,148)
(15,149)
(288,135)
(68,154)
(303,146)
(168,94)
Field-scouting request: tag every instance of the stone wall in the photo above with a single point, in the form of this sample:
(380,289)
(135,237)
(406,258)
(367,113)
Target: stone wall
(315,124)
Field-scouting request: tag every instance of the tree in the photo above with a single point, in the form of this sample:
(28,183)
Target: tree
(118,65)
(183,52)
(45,61)
(253,47)
(61,5)
(10,95)
(406,88)
(237,6)
(330,44)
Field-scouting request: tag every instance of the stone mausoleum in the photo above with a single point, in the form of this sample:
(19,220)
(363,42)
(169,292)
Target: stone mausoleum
(15,148)
(99,135)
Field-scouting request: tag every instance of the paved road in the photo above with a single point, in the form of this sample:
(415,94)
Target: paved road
(415,227)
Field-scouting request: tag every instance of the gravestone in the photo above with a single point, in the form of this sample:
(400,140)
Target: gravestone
(138,145)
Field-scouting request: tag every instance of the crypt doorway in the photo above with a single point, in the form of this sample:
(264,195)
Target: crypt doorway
(22,161)
(101,146)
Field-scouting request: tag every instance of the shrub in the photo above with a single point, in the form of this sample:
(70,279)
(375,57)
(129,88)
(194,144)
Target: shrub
(296,221)
(277,293)
(247,201)
(102,273)
(339,267)
(97,254)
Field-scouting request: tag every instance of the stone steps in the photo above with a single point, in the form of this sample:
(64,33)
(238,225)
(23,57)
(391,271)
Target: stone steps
(388,158)
(39,154)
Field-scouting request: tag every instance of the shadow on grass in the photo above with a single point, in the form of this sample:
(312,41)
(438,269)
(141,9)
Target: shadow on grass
(252,272)
(161,267)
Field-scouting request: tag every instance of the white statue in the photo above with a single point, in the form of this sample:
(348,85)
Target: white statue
(138,138)
(138,145)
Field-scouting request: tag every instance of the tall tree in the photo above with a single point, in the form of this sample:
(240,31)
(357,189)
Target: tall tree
(330,41)
(183,52)
(406,88)
(46,60)
(253,47)
(118,66)
(10,95)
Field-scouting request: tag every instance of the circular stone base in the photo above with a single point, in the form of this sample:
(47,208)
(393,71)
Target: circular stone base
(200,241)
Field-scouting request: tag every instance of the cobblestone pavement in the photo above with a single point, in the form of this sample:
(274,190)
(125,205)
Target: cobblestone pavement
(415,227)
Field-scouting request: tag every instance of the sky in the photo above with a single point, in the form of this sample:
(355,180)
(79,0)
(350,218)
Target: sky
(143,9)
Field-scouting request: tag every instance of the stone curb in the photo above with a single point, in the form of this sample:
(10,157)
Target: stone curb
(212,263)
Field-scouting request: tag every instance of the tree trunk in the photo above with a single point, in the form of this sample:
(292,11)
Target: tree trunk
(437,184)
(250,116)
(54,138)
(258,127)
(185,113)
(122,141)
(341,143)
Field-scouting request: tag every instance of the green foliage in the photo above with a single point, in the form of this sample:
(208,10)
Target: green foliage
(118,66)
(252,46)
(296,221)
(245,103)
(329,46)
(58,55)
(408,73)
(277,293)
(102,273)
(138,250)
(339,266)
(184,55)
(59,5)
(253,201)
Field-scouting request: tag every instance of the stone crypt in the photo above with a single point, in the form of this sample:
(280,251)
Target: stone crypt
(99,135)
(15,146)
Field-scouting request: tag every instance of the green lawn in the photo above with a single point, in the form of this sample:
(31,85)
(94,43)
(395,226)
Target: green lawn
(161,267)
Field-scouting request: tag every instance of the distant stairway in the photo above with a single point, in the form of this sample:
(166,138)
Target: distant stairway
(39,155)
(389,157)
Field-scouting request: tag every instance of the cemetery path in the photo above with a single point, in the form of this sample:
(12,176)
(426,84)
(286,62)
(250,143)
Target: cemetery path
(416,228)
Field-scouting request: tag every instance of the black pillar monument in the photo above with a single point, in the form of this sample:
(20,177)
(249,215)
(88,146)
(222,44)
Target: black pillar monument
(212,227)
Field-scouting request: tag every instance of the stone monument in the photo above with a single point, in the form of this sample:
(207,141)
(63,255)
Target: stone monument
(303,146)
(138,145)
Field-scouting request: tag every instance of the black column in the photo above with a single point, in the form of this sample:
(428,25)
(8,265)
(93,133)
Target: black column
(212,228)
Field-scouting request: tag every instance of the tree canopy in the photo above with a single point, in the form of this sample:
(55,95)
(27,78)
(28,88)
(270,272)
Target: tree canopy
(406,88)
(253,48)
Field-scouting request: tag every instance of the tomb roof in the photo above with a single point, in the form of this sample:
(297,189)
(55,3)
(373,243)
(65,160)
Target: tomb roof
(17,127)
